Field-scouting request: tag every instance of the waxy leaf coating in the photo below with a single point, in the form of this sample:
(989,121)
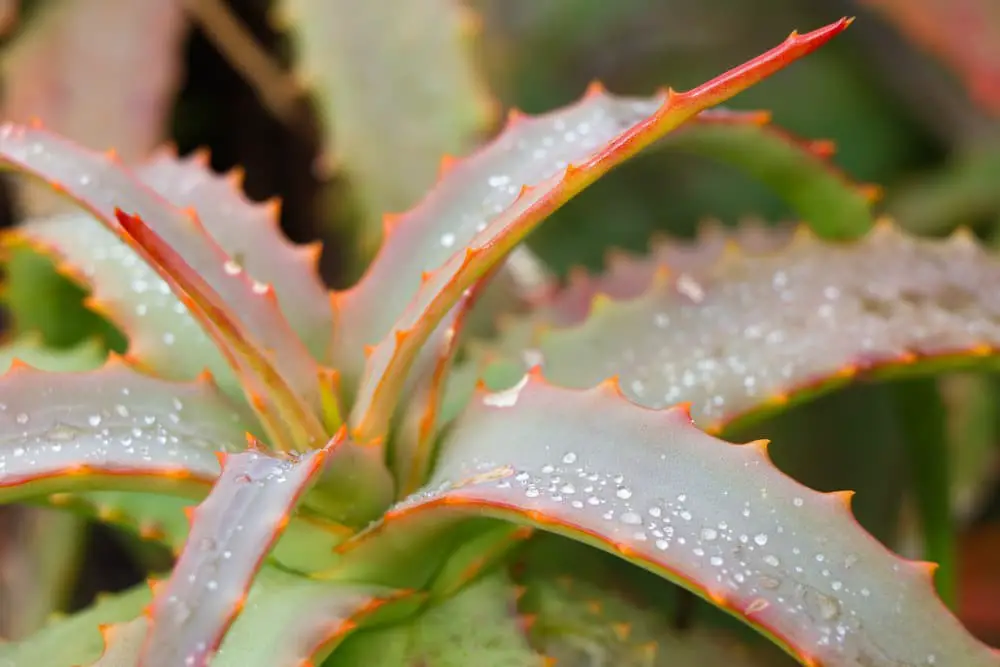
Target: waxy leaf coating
(111,427)
(100,185)
(742,335)
(507,189)
(717,518)
(231,533)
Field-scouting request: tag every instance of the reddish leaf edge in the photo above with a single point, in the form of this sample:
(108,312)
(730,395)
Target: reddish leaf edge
(174,481)
(294,425)
(908,365)
(314,462)
(539,520)
(821,151)
(381,387)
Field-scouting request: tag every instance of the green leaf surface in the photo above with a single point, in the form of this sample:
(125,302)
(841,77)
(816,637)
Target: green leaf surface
(479,626)
(287,621)
(39,300)
(715,517)
(385,128)
(580,623)
(753,332)
(128,292)
(485,205)
(111,427)
(798,171)
(75,640)
(232,532)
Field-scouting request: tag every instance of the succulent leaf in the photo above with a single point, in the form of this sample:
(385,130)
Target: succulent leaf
(754,331)
(39,548)
(485,210)
(232,532)
(122,643)
(287,621)
(112,427)
(479,626)
(358,60)
(236,299)
(715,517)
(799,171)
(164,334)
(290,419)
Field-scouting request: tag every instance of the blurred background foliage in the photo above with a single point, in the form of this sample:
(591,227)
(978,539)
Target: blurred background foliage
(910,96)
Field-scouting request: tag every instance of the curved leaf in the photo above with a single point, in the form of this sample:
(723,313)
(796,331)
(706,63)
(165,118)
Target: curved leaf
(228,303)
(231,533)
(717,518)
(287,620)
(359,60)
(754,332)
(112,427)
(490,202)
(798,171)
(479,626)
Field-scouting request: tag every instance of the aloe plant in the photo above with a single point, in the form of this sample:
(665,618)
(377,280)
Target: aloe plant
(358,506)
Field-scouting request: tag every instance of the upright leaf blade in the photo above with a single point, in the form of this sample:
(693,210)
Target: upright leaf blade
(509,211)
(113,427)
(385,128)
(231,533)
(715,517)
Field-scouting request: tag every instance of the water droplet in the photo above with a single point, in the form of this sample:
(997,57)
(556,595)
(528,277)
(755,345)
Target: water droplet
(232,268)
(21,418)
(122,410)
(715,561)
(709,534)
(570,457)
(623,492)
(447,240)
(662,545)
(94,420)
(797,502)
(772,560)
(760,539)
(631,518)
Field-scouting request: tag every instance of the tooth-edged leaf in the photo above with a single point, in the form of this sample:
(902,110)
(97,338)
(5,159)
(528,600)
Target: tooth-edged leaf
(479,626)
(755,332)
(627,276)
(168,338)
(287,620)
(122,643)
(289,417)
(250,233)
(486,205)
(76,639)
(715,517)
(111,427)
(39,299)
(290,621)
(580,623)
(232,532)
(797,170)
(31,350)
(50,73)
(358,60)
(240,313)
